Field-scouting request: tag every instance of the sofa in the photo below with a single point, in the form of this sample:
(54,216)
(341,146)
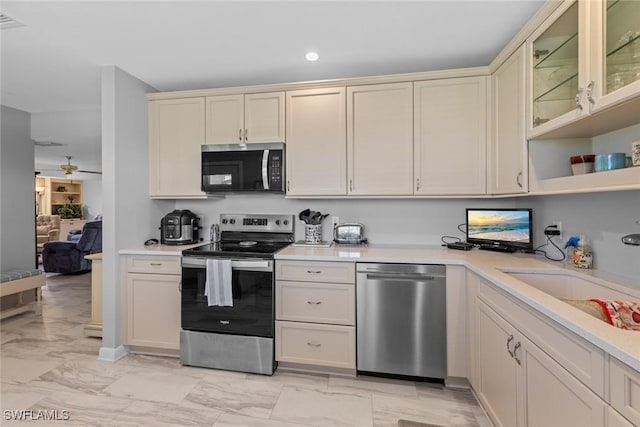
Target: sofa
(47,229)
(68,257)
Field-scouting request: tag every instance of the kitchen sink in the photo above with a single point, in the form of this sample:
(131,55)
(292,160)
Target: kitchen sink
(573,285)
(575,288)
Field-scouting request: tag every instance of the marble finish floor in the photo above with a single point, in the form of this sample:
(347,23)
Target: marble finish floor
(49,367)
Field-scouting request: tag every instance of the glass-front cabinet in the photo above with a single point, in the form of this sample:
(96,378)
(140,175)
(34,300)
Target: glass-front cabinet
(584,59)
(616,52)
(558,70)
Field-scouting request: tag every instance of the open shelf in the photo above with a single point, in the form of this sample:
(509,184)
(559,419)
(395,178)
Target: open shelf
(615,180)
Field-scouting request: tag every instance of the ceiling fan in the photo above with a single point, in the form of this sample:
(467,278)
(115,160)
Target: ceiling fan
(68,169)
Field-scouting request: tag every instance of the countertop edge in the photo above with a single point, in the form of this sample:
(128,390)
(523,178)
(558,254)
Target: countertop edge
(489,266)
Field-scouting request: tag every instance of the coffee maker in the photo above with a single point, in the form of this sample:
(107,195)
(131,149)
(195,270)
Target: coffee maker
(180,227)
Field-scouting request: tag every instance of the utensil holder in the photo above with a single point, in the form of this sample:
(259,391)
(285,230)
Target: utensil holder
(312,233)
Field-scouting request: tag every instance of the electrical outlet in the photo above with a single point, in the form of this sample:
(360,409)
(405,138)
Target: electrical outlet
(558,224)
(334,221)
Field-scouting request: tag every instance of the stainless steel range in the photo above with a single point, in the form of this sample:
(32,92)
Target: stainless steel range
(236,335)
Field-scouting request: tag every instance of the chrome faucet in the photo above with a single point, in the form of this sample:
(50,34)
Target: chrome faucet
(632,239)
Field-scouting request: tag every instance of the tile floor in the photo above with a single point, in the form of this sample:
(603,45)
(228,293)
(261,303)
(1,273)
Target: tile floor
(48,365)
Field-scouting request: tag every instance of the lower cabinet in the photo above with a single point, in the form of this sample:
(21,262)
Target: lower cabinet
(315,315)
(517,375)
(152,303)
(625,390)
(498,387)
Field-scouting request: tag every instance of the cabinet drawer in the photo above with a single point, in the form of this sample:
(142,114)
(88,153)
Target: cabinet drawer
(311,344)
(336,272)
(584,360)
(625,390)
(154,264)
(316,302)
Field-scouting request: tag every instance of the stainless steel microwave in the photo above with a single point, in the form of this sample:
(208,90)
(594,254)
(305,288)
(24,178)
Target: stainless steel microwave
(239,168)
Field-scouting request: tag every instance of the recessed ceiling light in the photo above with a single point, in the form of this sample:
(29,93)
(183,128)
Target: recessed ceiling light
(312,56)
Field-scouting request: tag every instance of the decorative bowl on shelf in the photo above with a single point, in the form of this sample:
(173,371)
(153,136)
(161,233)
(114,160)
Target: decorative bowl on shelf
(582,164)
(608,162)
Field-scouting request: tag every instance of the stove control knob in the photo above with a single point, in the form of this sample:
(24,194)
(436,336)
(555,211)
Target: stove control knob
(277,222)
(232,221)
(224,221)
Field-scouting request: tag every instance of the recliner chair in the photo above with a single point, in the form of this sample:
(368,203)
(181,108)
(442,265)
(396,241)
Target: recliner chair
(68,257)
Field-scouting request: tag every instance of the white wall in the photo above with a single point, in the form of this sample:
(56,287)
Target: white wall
(17,198)
(603,217)
(402,221)
(92,198)
(129,214)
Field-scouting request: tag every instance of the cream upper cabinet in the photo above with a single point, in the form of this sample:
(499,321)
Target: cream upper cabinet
(450,122)
(508,155)
(176,132)
(559,73)
(615,53)
(250,118)
(316,142)
(380,139)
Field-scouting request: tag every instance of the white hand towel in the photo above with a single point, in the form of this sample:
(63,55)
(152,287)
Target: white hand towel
(217,287)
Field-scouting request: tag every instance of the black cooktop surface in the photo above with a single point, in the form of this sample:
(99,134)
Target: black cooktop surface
(244,248)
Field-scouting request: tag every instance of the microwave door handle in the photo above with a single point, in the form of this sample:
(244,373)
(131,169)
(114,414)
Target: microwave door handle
(265,169)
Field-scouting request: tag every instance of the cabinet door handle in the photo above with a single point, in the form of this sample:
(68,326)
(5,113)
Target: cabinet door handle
(314,271)
(311,344)
(288,185)
(240,134)
(511,353)
(518,179)
(246,135)
(418,184)
(578,99)
(180,286)
(590,92)
(314,302)
(515,352)
(155,264)
(350,185)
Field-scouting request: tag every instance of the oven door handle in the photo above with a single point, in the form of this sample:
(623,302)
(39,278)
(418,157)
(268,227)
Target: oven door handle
(248,265)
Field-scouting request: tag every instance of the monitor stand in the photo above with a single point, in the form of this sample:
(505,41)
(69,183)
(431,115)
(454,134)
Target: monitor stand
(498,248)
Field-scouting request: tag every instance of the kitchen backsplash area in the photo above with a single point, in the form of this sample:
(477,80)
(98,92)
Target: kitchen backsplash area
(602,217)
(413,222)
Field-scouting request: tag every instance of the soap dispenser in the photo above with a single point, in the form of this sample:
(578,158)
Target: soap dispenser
(582,254)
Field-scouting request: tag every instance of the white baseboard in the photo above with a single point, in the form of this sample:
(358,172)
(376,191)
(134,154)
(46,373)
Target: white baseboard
(108,354)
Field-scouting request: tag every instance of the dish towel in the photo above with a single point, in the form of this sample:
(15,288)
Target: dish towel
(217,287)
(622,314)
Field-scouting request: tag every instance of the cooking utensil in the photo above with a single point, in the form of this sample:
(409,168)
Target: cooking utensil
(310,217)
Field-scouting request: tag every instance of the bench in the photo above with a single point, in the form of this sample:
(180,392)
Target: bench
(18,281)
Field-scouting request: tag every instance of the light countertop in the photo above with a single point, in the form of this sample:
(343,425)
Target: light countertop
(622,344)
(162,250)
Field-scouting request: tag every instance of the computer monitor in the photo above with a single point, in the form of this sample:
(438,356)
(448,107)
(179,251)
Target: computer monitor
(500,228)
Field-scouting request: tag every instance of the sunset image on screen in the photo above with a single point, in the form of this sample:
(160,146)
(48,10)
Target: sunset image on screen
(512,226)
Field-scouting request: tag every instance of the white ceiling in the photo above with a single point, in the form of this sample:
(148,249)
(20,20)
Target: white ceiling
(52,63)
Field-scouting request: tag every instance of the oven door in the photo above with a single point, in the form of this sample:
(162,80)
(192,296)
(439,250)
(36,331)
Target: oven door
(235,168)
(252,313)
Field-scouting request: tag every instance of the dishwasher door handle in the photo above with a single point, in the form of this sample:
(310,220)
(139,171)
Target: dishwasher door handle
(403,277)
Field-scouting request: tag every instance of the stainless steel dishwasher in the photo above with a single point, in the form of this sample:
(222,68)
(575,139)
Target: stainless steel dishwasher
(401,320)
